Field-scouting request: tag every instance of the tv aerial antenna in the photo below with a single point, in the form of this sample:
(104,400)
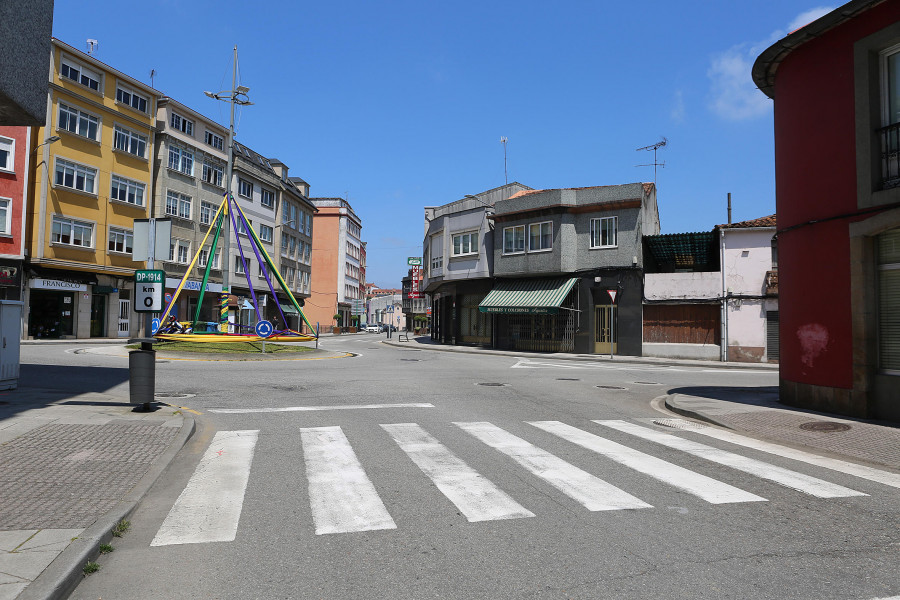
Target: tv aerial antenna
(504,140)
(92,45)
(660,144)
(152,76)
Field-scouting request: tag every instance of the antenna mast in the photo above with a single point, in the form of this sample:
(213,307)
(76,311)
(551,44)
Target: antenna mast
(503,140)
(660,144)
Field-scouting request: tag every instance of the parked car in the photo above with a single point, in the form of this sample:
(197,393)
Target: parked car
(385,327)
(373,328)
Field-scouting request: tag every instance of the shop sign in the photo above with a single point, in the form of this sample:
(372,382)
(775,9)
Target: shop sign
(520,310)
(414,261)
(192,285)
(56,284)
(10,275)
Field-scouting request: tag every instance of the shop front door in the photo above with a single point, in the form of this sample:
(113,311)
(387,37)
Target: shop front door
(124,317)
(605,337)
(98,315)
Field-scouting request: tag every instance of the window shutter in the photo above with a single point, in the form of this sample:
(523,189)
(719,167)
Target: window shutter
(772,334)
(889,300)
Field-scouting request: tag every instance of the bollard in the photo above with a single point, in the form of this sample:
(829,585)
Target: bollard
(142,373)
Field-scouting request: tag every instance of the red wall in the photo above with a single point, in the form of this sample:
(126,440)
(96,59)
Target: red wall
(815,170)
(13,186)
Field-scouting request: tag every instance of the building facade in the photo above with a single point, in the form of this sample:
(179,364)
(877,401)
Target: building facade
(839,230)
(15,166)
(568,269)
(457,265)
(336,266)
(90,185)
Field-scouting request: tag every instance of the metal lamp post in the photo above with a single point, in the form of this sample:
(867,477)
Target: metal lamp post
(236,95)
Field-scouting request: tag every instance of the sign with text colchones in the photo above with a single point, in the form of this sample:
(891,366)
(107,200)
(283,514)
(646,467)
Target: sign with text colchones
(414,291)
(414,261)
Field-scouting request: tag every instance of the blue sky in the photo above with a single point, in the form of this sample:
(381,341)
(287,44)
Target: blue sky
(398,105)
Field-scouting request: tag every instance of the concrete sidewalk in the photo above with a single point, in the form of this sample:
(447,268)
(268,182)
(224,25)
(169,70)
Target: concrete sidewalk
(71,468)
(755,412)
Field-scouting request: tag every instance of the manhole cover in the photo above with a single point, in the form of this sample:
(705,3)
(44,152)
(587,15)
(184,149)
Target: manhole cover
(172,396)
(610,387)
(492,384)
(567,379)
(824,426)
(646,383)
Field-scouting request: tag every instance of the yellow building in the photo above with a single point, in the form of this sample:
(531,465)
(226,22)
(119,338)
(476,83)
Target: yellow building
(92,178)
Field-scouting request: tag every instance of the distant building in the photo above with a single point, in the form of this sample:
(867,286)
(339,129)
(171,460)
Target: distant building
(837,153)
(15,166)
(336,266)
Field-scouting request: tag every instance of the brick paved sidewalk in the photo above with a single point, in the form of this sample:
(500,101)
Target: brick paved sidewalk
(70,468)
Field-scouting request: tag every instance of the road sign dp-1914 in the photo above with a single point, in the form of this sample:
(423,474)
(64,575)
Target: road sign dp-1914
(149,287)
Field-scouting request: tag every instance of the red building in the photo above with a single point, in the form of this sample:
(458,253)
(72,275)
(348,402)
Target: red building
(836,86)
(15,166)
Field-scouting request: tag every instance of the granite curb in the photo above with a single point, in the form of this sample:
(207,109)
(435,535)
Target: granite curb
(62,576)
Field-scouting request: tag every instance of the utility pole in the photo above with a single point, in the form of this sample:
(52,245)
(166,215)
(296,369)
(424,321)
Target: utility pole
(236,95)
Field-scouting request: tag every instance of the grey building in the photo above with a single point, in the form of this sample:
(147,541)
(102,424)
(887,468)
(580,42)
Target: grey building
(458,258)
(568,268)
(25,26)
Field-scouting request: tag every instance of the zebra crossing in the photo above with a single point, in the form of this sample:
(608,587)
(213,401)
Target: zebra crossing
(343,499)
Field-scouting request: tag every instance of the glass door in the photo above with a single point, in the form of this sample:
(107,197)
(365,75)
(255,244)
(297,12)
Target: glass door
(605,337)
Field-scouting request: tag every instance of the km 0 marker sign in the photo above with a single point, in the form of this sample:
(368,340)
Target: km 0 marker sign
(149,287)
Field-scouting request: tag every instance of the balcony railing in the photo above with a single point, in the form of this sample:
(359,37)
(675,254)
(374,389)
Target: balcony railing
(890,156)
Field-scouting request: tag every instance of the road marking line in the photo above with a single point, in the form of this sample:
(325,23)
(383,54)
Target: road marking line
(476,497)
(834,464)
(209,507)
(237,411)
(341,496)
(591,492)
(792,479)
(699,485)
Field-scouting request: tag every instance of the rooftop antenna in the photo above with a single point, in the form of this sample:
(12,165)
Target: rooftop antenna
(152,75)
(660,144)
(92,45)
(503,140)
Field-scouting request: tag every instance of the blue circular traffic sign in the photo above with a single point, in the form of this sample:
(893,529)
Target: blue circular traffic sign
(264,329)
(154,326)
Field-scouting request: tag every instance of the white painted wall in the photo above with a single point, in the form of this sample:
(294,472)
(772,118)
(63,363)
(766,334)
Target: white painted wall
(682,286)
(746,258)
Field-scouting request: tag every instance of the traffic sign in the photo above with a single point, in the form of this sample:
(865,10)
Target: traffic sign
(154,326)
(612,294)
(414,261)
(149,286)
(264,329)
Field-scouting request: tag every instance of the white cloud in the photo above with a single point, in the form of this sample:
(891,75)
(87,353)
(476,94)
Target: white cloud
(734,96)
(678,110)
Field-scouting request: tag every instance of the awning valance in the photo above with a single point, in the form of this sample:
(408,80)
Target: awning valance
(528,296)
(289,310)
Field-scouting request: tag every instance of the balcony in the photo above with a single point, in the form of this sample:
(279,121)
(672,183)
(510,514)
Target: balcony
(890,156)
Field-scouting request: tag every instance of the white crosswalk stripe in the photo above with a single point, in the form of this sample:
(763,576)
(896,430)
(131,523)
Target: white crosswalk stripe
(699,485)
(792,479)
(476,497)
(591,492)
(341,496)
(841,466)
(209,508)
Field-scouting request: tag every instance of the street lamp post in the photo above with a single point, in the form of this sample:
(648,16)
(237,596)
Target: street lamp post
(236,95)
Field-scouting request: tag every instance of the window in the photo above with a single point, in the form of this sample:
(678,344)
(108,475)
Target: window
(267,198)
(265,233)
(179,251)
(128,97)
(293,246)
(207,210)
(245,188)
(178,205)
(5,216)
(78,122)
(213,173)
(203,257)
(75,176)
(80,74)
(604,232)
(465,243)
(127,190)
(7,153)
(514,239)
(70,232)
(180,123)
(129,141)
(540,236)
(120,240)
(239,265)
(241,227)
(285,239)
(215,141)
(181,160)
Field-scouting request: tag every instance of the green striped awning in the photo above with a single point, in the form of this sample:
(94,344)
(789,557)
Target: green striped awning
(528,296)
(289,310)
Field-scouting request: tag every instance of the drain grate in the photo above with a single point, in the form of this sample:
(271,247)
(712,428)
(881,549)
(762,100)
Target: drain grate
(410,359)
(493,384)
(647,383)
(610,387)
(824,426)
(567,379)
(675,423)
(173,396)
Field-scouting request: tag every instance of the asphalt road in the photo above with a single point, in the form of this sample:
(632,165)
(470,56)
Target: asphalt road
(479,494)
